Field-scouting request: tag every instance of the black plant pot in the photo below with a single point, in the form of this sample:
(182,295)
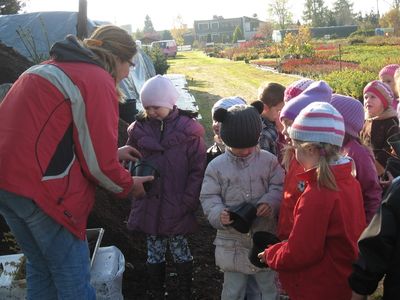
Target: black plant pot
(394,142)
(243,216)
(143,168)
(261,240)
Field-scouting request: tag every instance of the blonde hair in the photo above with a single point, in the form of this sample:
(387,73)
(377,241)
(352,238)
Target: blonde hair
(109,43)
(396,78)
(287,156)
(329,153)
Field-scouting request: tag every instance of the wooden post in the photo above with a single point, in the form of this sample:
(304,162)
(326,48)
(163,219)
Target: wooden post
(81,26)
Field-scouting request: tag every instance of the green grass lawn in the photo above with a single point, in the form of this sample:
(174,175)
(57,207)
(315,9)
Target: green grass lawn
(211,79)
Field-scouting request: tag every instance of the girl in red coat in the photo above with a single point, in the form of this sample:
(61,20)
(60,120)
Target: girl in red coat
(315,261)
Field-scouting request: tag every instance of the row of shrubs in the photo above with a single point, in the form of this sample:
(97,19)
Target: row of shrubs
(347,66)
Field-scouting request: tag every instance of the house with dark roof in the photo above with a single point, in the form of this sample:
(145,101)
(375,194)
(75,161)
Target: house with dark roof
(220,30)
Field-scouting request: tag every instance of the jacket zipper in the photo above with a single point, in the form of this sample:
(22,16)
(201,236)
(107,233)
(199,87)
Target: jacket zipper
(161,181)
(162,130)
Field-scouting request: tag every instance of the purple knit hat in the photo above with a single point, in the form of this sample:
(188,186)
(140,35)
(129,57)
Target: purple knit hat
(382,91)
(319,122)
(296,88)
(317,91)
(352,111)
(388,70)
(159,91)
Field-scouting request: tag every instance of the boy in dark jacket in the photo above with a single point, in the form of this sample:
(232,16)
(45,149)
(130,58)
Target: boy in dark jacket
(379,251)
(271,95)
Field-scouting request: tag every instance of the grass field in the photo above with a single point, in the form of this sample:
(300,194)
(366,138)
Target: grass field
(211,79)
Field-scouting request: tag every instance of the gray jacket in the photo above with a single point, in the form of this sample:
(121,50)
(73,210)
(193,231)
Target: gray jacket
(230,180)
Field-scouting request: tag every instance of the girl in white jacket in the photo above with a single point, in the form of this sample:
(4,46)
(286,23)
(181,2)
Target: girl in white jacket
(244,173)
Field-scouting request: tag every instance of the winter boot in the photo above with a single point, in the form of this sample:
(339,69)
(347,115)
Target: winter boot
(185,274)
(156,281)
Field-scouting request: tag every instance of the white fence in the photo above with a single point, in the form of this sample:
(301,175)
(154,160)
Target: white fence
(185,48)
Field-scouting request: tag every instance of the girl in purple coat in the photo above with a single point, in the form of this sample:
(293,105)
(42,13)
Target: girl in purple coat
(353,114)
(172,141)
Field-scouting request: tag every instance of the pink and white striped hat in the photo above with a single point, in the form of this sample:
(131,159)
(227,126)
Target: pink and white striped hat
(318,122)
(296,88)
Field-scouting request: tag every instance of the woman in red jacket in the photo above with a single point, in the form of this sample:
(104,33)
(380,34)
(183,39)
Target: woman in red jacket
(58,141)
(315,262)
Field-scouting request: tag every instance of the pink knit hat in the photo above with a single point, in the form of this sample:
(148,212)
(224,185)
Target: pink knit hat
(159,91)
(382,91)
(318,122)
(352,111)
(296,88)
(388,70)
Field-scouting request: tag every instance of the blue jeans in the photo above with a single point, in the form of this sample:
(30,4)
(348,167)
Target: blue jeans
(57,262)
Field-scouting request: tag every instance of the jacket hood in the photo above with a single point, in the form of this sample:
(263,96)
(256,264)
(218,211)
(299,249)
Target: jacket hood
(70,50)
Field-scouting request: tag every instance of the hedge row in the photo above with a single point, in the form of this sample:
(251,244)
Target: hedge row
(350,82)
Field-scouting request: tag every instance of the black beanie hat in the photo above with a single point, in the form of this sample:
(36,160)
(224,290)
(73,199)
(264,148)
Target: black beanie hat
(240,124)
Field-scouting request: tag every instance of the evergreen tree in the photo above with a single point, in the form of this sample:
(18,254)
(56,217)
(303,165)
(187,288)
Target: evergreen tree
(315,13)
(343,11)
(367,22)
(9,7)
(148,25)
(237,34)
(166,35)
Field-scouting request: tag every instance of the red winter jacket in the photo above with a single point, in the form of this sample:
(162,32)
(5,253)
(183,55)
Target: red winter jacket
(293,187)
(316,260)
(59,140)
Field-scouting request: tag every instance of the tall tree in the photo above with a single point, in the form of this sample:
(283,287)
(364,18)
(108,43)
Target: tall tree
(9,7)
(369,21)
(315,13)
(265,30)
(391,19)
(148,25)
(280,9)
(138,35)
(166,35)
(178,30)
(343,12)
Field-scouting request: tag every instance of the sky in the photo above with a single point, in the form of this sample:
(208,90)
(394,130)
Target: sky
(164,13)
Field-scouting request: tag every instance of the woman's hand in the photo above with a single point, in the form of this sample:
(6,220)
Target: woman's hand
(138,189)
(128,153)
(225,218)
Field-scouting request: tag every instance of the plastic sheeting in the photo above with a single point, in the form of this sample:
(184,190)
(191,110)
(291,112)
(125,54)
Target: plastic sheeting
(43,29)
(144,69)
(106,275)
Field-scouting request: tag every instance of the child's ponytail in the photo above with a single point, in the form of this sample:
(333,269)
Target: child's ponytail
(328,154)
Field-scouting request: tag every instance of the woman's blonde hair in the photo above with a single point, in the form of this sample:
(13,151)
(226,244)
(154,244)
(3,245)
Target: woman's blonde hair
(109,43)
(328,153)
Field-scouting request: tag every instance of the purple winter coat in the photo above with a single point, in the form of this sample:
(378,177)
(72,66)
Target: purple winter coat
(179,154)
(366,176)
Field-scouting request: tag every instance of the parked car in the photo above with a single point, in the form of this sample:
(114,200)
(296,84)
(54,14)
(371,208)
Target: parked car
(168,47)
